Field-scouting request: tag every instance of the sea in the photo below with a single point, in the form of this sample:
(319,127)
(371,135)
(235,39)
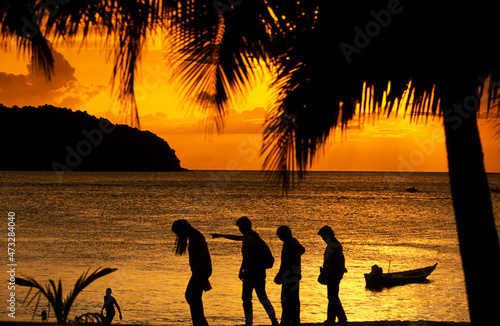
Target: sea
(68,224)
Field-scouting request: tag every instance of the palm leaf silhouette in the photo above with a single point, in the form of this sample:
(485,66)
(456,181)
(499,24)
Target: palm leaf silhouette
(54,292)
(212,63)
(123,25)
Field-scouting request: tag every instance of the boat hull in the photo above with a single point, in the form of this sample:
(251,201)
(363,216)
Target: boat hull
(399,278)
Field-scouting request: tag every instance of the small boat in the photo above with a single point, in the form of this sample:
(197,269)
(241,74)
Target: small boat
(412,189)
(378,279)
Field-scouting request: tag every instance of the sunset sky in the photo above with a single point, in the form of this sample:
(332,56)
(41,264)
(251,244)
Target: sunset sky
(82,83)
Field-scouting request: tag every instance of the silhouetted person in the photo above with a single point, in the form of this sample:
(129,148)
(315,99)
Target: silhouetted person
(289,276)
(109,305)
(44,315)
(252,270)
(376,270)
(201,267)
(332,272)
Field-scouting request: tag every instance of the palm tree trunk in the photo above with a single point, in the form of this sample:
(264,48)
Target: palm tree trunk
(477,234)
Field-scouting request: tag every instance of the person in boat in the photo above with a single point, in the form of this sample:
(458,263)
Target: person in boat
(109,305)
(201,267)
(376,271)
(252,272)
(289,276)
(332,273)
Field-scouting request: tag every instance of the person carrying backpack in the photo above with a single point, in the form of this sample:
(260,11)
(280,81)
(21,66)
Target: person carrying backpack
(257,257)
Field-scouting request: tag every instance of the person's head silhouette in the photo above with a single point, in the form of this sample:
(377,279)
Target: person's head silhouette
(284,233)
(244,224)
(108,291)
(181,228)
(327,234)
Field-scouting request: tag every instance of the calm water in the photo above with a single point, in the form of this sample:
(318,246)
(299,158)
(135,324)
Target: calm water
(123,220)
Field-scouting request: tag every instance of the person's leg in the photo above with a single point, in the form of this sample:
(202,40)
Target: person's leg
(110,314)
(286,307)
(194,292)
(331,290)
(285,311)
(295,305)
(339,308)
(246,296)
(335,309)
(260,290)
(290,300)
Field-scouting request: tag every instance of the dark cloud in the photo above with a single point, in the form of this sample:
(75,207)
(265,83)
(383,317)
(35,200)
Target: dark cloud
(34,89)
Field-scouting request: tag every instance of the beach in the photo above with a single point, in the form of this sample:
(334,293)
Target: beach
(360,323)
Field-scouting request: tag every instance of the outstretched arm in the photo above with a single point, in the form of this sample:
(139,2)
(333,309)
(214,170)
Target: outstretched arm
(227,236)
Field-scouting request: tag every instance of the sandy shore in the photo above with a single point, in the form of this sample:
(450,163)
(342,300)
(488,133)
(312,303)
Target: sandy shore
(355,323)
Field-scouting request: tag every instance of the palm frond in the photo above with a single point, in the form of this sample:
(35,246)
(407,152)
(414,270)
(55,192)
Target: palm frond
(20,20)
(214,53)
(124,24)
(305,112)
(322,89)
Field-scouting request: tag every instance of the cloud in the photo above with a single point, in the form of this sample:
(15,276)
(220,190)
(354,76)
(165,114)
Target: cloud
(33,89)
(248,122)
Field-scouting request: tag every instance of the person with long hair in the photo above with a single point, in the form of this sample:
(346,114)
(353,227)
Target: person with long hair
(201,267)
(332,273)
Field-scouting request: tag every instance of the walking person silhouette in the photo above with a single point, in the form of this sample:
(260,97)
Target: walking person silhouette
(332,273)
(201,267)
(109,305)
(256,259)
(289,276)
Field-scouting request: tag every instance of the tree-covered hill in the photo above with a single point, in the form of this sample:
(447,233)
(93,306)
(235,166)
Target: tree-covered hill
(49,138)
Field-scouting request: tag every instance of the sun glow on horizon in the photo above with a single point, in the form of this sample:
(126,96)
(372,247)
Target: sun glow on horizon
(369,142)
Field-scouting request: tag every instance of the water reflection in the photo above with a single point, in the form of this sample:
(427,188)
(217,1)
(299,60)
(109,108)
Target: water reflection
(62,235)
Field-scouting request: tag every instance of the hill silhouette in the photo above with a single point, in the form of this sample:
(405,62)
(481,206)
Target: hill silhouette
(48,138)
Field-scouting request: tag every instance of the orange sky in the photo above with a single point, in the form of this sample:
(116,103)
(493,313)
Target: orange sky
(82,83)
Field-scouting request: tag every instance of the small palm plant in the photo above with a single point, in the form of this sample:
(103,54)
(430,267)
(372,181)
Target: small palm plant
(54,293)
